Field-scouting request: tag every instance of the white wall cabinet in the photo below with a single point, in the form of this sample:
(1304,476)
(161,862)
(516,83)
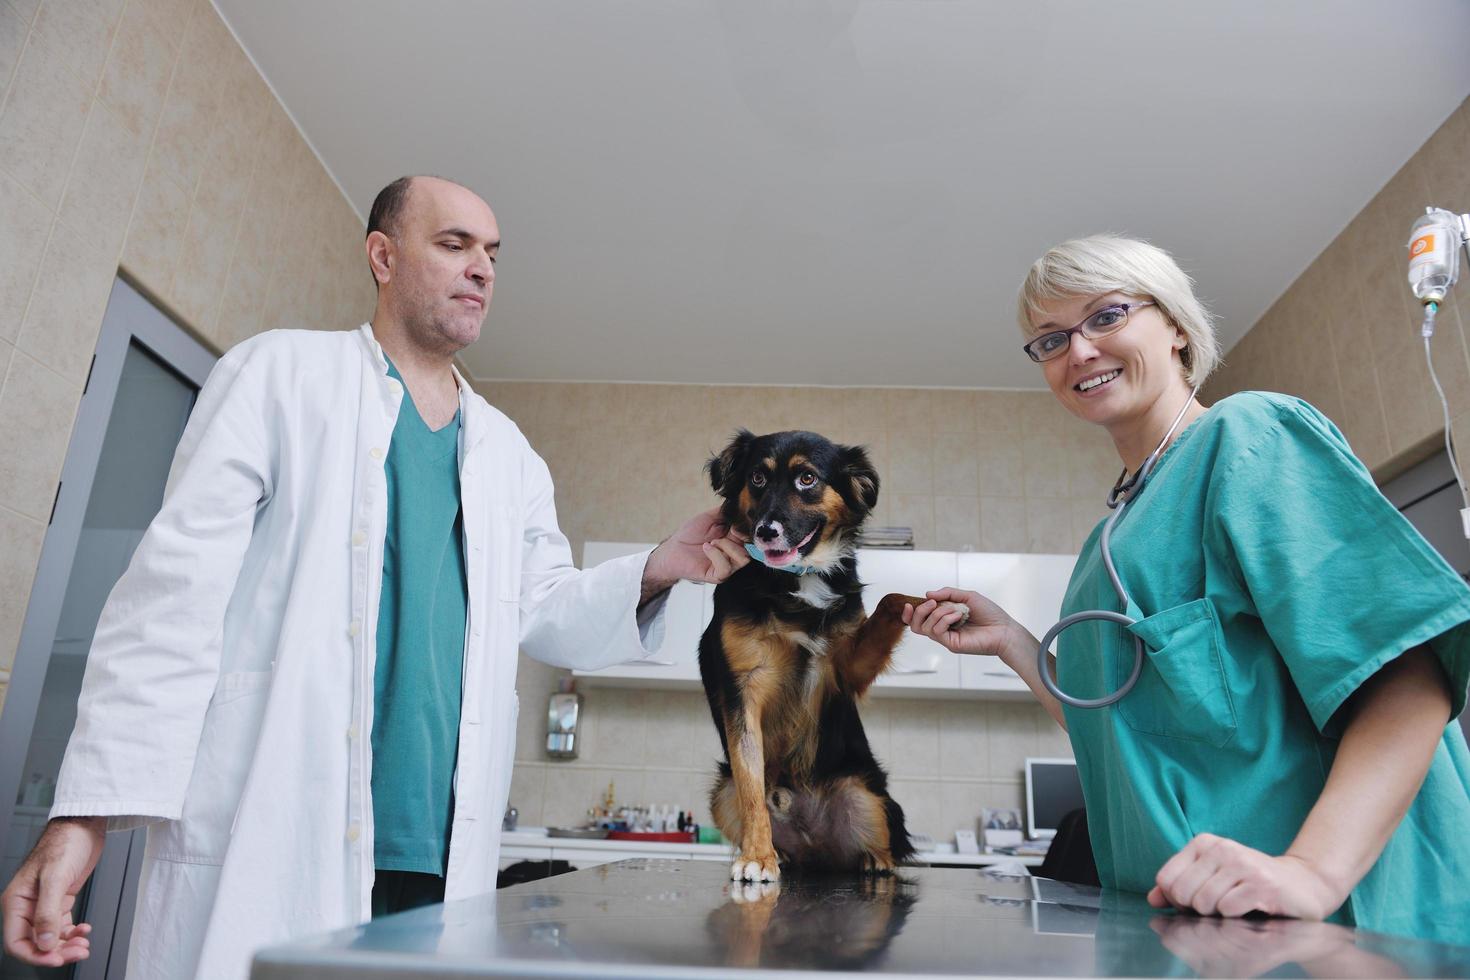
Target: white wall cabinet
(1029,587)
(676,661)
(918,662)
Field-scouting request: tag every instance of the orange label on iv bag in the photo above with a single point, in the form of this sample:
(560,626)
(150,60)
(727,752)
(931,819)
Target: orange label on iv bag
(1420,245)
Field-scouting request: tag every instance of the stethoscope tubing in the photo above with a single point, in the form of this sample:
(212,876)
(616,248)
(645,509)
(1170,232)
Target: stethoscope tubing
(1124,492)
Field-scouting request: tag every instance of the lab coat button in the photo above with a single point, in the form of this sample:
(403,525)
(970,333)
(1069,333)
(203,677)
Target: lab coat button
(352,732)
(354,628)
(394,386)
(358,539)
(375,453)
(354,832)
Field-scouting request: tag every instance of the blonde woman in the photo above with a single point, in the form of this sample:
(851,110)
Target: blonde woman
(1286,747)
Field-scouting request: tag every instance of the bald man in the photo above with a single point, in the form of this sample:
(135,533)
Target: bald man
(304,684)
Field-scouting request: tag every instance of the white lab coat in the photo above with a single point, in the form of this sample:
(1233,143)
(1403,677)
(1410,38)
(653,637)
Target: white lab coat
(228,698)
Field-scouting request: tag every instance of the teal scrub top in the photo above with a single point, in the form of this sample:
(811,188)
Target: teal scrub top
(1270,579)
(421,623)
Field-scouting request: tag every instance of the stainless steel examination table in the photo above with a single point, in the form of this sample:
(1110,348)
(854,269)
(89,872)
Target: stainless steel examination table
(650,918)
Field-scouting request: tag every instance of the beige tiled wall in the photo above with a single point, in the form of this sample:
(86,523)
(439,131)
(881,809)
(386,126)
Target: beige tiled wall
(1345,335)
(968,470)
(136,134)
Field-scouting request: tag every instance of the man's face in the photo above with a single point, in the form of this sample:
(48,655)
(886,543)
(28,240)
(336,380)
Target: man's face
(442,264)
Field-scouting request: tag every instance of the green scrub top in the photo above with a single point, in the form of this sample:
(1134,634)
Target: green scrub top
(1270,579)
(418,679)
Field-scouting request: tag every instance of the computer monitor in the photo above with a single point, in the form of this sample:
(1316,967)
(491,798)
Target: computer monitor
(1052,791)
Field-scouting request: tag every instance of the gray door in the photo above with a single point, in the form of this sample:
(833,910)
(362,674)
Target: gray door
(1428,497)
(144,380)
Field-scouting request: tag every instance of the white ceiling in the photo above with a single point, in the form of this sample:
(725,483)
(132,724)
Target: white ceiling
(844,192)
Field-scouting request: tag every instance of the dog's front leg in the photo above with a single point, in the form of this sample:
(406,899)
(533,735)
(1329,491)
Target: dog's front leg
(756,860)
(872,645)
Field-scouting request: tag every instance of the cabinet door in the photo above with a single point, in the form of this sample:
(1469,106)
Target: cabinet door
(688,609)
(918,662)
(1029,587)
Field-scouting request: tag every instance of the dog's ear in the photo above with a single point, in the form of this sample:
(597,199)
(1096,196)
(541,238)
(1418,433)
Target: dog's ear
(861,479)
(731,462)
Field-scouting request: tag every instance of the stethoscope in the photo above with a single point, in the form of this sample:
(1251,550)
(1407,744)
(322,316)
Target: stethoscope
(1124,492)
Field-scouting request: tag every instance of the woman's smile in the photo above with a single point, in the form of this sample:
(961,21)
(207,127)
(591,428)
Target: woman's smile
(1097,382)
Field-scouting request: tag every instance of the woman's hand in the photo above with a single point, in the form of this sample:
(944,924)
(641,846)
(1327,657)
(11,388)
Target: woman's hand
(1252,947)
(1218,876)
(989,629)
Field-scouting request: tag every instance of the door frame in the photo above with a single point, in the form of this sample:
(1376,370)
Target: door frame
(129,318)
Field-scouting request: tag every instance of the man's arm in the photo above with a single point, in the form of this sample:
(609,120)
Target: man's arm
(155,655)
(611,613)
(153,664)
(1397,720)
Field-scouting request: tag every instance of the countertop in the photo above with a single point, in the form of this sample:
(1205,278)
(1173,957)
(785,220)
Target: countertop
(512,841)
(665,918)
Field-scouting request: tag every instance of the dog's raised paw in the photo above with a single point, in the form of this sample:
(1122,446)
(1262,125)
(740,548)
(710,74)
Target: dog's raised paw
(959,607)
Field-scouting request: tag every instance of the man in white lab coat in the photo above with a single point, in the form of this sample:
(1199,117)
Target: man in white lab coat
(230,696)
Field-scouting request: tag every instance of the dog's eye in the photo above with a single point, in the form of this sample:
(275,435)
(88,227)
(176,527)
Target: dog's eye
(757,479)
(806,481)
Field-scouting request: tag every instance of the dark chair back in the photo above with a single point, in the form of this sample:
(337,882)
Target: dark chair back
(1070,856)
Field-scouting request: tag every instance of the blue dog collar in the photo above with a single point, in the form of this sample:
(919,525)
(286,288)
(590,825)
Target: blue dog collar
(794,568)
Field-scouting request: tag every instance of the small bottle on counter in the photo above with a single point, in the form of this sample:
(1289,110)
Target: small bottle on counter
(690,826)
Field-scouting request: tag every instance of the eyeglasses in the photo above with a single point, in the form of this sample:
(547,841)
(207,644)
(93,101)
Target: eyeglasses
(1105,322)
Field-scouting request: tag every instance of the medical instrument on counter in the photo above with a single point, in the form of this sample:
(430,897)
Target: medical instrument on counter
(1434,264)
(1124,492)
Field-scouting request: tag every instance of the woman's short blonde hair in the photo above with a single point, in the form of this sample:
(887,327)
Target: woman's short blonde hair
(1110,263)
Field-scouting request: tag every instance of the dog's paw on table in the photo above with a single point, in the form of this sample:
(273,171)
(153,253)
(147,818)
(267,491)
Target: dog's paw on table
(877,864)
(755,867)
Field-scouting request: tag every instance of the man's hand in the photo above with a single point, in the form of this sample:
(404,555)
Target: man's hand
(37,905)
(703,550)
(1218,876)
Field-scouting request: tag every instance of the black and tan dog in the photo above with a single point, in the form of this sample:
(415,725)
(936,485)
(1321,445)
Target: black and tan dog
(787,656)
